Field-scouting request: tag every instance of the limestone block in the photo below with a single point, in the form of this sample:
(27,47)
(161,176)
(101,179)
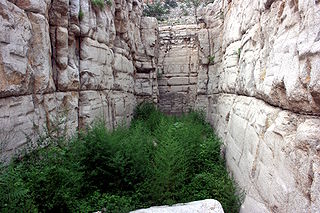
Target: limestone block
(123,81)
(58,111)
(204,46)
(105,26)
(74,9)
(40,54)
(66,59)
(95,65)
(202,79)
(17,116)
(250,204)
(95,106)
(61,38)
(143,87)
(123,105)
(144,66)
(232,55)
(309,37)
(121,20)
(178,81)
(112,107)
(122,64)
(270,149)
(232,24)
(250,14)
(35,6)
(177,88)
(315,191)
(58,14)
(24,118)
(205,206)
(16,32)
(25,60)
(149,34)
(98,24)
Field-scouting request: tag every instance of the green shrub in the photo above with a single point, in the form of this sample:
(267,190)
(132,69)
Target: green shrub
(156,9)
(14,193)
(171,3)
(109,3)
(80,15)
(211,59)
(98,3)
(157,160)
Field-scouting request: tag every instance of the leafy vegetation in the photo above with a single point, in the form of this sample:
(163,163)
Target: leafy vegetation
(101,3)
(171,3)
(193,4)
(98,3)
(156,9)
(80,15)
(239,52)
(157,160)
(211,59)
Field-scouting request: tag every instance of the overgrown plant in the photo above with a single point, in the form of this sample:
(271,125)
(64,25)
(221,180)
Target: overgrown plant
(156,9)
(101,3)
(80,15)
(157,160)
(109,2)
(239,52)
(211,59)
(171,3)
(193,4)
(159,73)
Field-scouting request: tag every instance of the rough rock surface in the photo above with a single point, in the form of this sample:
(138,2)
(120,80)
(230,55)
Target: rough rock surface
(253,66)
(177,68)
(202,206)
(257,77)
(57,64)
(262,99)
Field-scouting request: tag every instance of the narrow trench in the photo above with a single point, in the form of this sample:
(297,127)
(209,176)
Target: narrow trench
(246,121)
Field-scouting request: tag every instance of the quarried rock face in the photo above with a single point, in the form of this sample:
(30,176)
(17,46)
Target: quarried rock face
(256,76)
(262,99)
(177,68)
(253,66)
(69,63)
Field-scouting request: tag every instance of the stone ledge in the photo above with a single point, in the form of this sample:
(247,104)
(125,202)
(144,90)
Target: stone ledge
(203,206)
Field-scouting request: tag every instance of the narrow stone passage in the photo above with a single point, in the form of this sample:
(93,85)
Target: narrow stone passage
(251,66)
(255,77)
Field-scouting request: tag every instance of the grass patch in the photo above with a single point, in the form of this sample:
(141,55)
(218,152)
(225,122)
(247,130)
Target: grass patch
(157,160)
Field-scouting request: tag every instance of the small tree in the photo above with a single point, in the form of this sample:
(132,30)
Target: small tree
(155,9)
(194,4)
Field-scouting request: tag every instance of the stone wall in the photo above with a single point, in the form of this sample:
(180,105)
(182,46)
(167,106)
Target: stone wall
(256,74)
(253,66)
(67,63)
(177,68)
(263,99)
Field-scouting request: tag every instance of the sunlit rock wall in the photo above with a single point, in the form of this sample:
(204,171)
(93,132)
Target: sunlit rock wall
(263,99)
(68,63)
(256,72)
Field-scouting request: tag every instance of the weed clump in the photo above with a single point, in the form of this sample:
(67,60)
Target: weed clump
(80,15)
(156,9)
(157,160)
(101,3)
